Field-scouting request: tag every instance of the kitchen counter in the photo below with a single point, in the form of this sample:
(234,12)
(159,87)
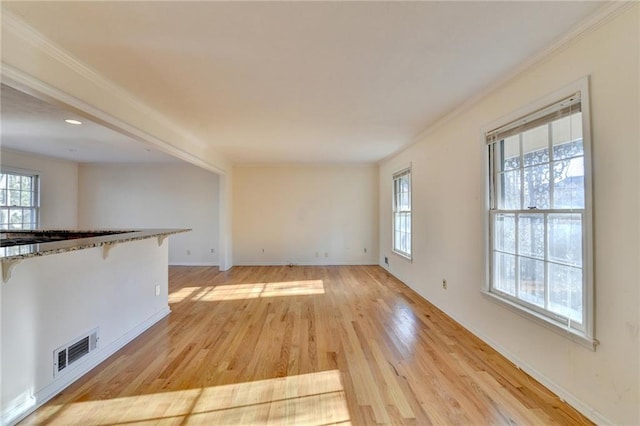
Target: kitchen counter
(18,245)
(105,287)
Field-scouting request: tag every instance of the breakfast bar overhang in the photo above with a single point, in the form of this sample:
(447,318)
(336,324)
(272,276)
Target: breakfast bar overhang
(69,300)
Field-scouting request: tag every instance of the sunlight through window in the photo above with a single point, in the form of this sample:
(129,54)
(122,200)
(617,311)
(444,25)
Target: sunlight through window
(306,399)
(182,294)
(248,291)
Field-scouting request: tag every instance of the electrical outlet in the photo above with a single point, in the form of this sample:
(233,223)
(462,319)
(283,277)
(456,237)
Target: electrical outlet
(386,260)
(188,252)
(444,283)
(157,289)
(365,249)
(213,251)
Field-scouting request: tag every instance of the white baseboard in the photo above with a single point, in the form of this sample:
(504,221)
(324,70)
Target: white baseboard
(192,264)
(561,392)
(330,263)
(18,410)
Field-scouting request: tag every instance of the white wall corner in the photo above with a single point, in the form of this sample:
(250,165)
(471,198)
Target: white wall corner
(225,256)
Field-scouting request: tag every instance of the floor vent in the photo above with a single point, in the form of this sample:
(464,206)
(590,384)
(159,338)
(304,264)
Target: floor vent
(66,355)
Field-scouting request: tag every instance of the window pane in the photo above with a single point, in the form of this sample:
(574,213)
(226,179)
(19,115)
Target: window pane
(536,187)
(504,273)
(531,235)
(509,197)
(566,136)
(568,181)
(26,183)
(535,145)
(14,198)
(3,181)
(27,216)
(15,218)
(510,153)
(568,150)
(407,243)
(531,286)
(404,184)
(33,222)
(565,291)
(4,216)
(3,197)
(14,182)
(565,238)
(404,202)
(505,232)
(25,199)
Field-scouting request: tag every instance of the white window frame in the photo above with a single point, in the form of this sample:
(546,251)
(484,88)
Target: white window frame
(585,334)
(35,207)
(405,171)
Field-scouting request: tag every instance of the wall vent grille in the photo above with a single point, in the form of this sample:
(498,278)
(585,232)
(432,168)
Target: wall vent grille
(73,351)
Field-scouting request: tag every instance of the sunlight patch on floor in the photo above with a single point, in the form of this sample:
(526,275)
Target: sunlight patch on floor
(183,294)
(248,291)
(307,399)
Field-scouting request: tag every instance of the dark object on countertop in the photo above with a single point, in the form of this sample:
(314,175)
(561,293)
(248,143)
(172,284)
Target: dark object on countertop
(17,238)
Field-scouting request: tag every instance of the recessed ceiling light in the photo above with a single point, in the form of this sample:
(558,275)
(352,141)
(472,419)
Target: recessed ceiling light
(76,122)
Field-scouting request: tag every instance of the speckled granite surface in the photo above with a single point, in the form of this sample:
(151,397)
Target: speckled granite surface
(69,240)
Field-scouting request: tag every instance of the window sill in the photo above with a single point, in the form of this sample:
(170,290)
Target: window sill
(574,336)
(402,255)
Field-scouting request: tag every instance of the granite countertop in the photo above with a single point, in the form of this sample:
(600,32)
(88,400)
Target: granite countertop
(61,241)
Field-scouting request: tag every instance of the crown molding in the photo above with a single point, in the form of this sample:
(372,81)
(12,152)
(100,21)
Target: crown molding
(23,81)
(604,14)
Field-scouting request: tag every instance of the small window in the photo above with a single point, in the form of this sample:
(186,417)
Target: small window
(18,201)
(540,215)
(402,213)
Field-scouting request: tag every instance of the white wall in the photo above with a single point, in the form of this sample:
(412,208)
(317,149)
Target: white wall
(58,187)
(449,228)
(155,196)
(292,213)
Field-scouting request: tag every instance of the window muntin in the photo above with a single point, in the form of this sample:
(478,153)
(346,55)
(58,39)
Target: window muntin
(538,217)
(18,201)
(402,213)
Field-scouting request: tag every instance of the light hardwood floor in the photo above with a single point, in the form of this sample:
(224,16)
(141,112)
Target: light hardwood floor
(304,346)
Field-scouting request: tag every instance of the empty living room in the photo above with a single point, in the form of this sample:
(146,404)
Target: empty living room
(320,212)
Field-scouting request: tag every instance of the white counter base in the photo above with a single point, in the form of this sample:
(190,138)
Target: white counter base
(50,300)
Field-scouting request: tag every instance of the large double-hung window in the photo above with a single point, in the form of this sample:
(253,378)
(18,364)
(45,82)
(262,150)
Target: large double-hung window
(540,253)
(402,213)
(18,200)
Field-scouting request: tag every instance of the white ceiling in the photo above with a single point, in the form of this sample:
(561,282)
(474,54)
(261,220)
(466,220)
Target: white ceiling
(32,125)
(303,81)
